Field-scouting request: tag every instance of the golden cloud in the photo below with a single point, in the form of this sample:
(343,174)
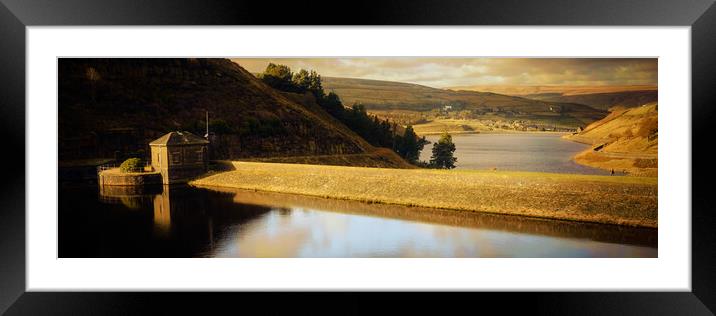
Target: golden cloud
(443,72)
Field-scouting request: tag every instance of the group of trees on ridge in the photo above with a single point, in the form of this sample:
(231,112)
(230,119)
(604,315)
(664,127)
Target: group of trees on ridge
(377,132)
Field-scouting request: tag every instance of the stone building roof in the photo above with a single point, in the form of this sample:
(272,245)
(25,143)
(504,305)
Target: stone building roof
(178,139)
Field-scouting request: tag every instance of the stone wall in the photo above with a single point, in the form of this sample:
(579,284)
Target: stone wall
(114,177)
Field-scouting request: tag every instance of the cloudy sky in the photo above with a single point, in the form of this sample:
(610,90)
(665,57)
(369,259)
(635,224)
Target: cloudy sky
(456,72)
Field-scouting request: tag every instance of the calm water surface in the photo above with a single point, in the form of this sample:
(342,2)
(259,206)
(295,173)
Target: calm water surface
(543,152)
(189,222)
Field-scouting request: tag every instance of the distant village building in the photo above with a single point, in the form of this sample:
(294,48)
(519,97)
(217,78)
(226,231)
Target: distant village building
(179,156)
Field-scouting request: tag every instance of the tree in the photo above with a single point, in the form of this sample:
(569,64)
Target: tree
(332,104)
(410,145)
(302,80)
(315,85)
(279,77)
(305,81)
(443,151)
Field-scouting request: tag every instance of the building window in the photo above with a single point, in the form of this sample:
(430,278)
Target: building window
(192,155)
(176,157)
(199,155)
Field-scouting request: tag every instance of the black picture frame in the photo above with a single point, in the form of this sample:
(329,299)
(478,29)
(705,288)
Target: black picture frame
(16,15)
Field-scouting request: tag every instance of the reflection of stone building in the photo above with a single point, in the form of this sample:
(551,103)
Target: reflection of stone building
(162,213)
(179,156)
(172,220)
(181,211)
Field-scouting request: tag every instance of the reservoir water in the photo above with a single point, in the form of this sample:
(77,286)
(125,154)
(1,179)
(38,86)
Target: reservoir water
(541,152)
(182,221)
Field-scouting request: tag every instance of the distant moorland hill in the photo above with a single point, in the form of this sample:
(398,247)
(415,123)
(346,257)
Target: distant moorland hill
(524,90)
(388,95)
(598,97)
(110,106)
(603,101)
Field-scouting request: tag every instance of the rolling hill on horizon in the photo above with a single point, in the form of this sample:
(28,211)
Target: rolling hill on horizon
(602,101)
(598,97)
(388,95)
(524,90)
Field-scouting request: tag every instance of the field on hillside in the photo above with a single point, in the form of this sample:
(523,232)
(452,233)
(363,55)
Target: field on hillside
(489,124)
(402,117)
(451,126)
(602,199)
(427,123)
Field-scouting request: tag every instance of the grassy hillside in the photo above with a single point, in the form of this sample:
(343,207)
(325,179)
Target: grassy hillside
(119,105)
(627,140)
(385,95)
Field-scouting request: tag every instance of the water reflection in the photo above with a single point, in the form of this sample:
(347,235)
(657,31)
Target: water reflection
(162,213)
(180,221)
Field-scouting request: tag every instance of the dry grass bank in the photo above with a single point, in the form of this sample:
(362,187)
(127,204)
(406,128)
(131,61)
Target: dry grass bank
(632,166)
(602,199)
(626,140)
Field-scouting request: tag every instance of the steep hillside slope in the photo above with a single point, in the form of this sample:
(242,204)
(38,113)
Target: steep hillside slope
(626,140)
(110,106)
(387,95)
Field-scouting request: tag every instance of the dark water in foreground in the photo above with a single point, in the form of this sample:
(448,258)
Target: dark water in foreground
(191,222)
(541,152)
